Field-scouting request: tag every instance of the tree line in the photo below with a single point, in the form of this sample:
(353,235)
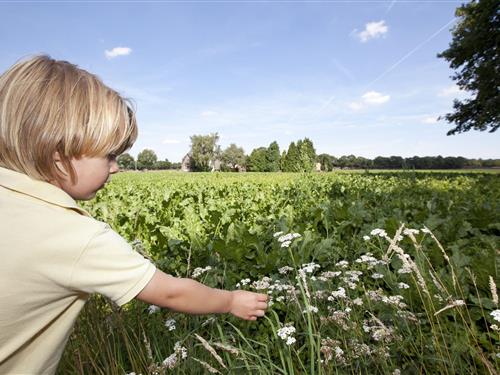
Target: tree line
(205,154)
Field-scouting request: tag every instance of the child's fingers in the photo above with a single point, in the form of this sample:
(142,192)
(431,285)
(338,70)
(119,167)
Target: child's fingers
(260,313)
(261,305)
(262,297)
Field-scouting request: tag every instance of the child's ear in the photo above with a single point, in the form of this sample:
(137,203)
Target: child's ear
(57,157)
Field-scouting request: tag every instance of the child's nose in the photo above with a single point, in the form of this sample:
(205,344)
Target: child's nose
(113,168)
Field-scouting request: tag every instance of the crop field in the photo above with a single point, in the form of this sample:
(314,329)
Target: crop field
(367,273)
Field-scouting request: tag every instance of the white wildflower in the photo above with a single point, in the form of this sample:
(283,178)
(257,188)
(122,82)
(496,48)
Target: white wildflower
(198,271)
(425,230)
(357,301)
(396,372)
(378,232)
(277,234)
(495,328)
(331,274)
(496,315)
(170,324)
(286,334)
(180,352)
(286,244)
(284,270)
(339,293)
(263,283)
(309,267)
(310,308)
(409,231)
(377,276)
(366,238)
(152,309)
(403,286)
(342,264)
(243,283)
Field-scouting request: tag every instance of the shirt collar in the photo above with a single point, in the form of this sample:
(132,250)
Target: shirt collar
(42,190)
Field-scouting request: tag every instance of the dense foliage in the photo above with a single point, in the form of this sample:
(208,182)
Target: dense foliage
(340,305)
(475,53)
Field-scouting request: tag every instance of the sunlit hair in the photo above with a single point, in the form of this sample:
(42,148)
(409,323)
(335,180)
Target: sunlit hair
(49,106)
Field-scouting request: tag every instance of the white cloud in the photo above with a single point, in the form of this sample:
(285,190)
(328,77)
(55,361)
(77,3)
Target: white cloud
(373,97)
(369,98)
(117,51)
(170,141)
(208,114)
(372,30)
(430,120)
(452,90)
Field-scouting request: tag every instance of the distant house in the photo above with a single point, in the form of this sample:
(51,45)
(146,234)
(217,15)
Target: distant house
(186,163)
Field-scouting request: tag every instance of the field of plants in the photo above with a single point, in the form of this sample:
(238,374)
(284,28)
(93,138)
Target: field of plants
(367,273)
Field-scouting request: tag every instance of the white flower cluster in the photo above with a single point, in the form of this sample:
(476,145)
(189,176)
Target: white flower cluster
(339,293)
(377,276)
(379,332)
(342,264)
(496,315)
(180,352)
(370,260)
(351,278)
(284,270)
(409,231)
(243,283)
(309,267)
(378,232)
(170,324)
(286,239)
(263,283)
(403,286)
(310,308)
(198,271)
(153,309)
(286,334)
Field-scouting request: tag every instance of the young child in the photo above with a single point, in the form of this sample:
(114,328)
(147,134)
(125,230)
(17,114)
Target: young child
(61,129)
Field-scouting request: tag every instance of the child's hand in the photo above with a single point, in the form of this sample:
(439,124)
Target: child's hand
(248,305)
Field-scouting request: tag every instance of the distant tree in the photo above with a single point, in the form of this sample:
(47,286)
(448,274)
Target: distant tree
(273,157)
(233,156)
(162,164)
(146,159)
(204,151)
(326,162)
(283,161)
(475,52)
(292,159)
(307,155)
(176,166)
(126,161)
(257,161)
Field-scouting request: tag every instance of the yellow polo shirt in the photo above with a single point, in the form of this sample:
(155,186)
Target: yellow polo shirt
(53,255)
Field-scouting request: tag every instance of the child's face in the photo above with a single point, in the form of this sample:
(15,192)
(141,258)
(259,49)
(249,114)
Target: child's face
(92,174)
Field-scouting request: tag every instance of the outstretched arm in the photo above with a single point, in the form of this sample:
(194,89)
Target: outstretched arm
(192,297)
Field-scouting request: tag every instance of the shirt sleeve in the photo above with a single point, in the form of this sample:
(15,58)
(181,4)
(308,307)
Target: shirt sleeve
(109,266)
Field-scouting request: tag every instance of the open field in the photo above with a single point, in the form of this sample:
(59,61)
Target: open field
(379,273)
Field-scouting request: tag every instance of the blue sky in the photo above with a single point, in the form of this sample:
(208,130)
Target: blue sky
(355,77)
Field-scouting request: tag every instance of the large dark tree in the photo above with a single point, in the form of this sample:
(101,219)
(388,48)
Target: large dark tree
(126,161)
(475,53)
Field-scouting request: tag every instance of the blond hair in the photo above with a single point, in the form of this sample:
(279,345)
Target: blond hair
(49,106)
